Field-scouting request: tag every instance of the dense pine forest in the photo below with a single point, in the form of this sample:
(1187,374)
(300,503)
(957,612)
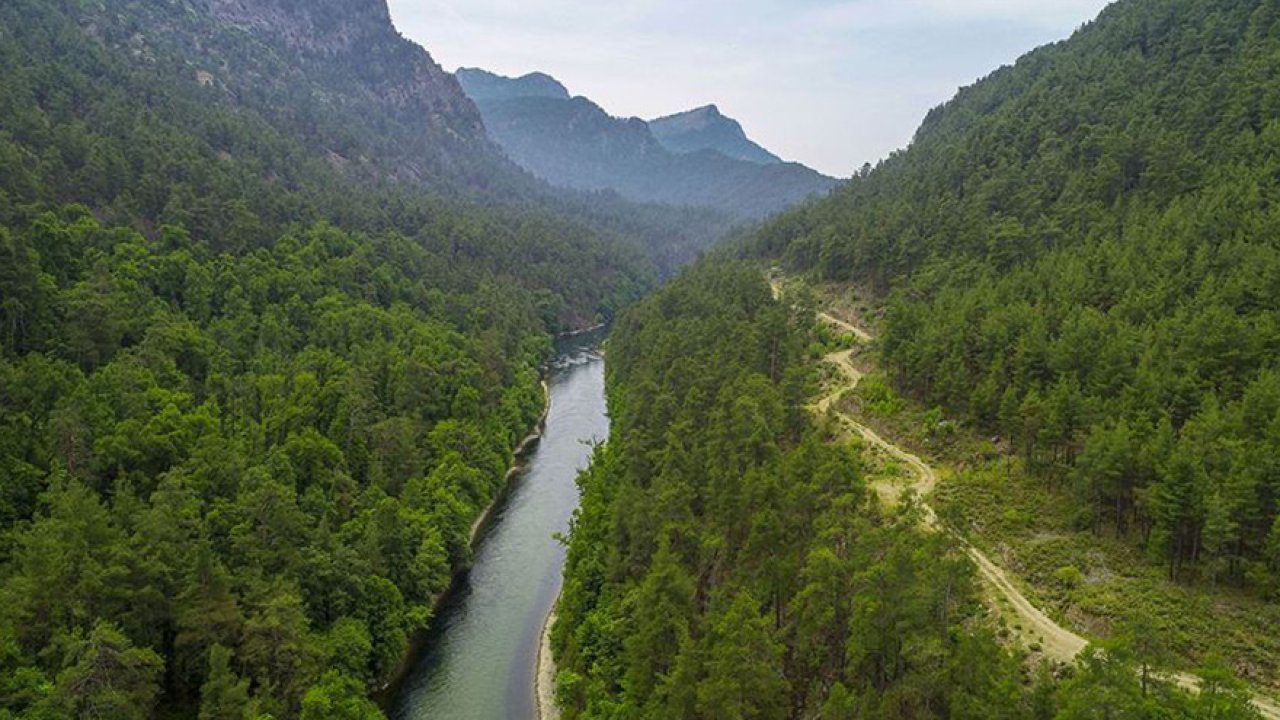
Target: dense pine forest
(1079,254)
(261,366)
(729,562)
(275,311)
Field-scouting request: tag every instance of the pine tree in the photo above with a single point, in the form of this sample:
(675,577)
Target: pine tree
(223,695)
(743,666)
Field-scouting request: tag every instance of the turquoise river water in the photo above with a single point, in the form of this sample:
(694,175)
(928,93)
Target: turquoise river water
(479,661)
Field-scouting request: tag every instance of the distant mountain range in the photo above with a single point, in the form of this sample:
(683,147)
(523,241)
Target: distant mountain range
(697,158)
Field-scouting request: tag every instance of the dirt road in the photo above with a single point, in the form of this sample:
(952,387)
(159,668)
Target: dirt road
(1055,641)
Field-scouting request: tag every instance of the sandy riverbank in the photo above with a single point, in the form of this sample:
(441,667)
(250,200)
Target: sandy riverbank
(545,678)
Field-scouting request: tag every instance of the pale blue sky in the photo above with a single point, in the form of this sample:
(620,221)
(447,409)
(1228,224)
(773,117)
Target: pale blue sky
(831,83)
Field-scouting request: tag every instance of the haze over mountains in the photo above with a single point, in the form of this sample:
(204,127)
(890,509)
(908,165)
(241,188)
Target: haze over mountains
(705,128)
(699,158)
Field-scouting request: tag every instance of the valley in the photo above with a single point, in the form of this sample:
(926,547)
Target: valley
(482,657)
(305,412)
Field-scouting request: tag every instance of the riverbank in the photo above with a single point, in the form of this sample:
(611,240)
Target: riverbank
(517,465)
(388,690)
(480,658)
(545,677)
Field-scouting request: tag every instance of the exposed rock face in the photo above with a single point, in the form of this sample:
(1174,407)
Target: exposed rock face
(320,26)
(707,129)
(357,38)
(334,74)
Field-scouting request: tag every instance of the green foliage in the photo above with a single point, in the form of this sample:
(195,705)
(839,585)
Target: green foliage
(1069,577)
(223,696)
(1115,681)
(338,697)
(107,677)
(252,396)
(1053,532)
(1078,256)
(726,563)
(101,113)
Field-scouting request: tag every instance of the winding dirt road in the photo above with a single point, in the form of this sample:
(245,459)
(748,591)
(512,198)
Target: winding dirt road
(1056,642)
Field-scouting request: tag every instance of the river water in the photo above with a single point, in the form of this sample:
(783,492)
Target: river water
(479,661)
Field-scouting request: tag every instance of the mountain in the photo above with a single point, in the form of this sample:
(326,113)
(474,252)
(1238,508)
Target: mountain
(273,313)
(337,85)
(707,129)
(335,73)
(736,553)
(483,86)
(574,143)
(1081,255)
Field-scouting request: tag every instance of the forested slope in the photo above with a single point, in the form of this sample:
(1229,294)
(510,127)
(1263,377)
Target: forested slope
(729,560)
(261,366)
(1080,251)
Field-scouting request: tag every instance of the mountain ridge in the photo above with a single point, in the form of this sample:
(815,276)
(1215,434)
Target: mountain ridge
(573,142)
(484,85)
(707,128)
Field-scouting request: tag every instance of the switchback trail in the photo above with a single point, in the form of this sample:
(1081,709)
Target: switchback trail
(1056,642)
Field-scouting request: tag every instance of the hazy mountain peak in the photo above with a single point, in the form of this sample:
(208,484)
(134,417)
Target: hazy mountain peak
(705,159)
(483,86)
(706,128)
(700,117)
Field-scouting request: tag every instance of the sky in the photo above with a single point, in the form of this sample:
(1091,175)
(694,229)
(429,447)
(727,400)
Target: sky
(830,83)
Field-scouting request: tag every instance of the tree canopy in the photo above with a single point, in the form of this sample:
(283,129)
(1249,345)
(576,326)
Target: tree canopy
(1078,256)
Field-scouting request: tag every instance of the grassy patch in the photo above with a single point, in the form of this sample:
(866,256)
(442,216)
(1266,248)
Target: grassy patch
(1095,584)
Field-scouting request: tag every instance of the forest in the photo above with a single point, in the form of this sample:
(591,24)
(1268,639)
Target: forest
(1077,256)
(729,561)
(279,454)
(274,314)
(250,401)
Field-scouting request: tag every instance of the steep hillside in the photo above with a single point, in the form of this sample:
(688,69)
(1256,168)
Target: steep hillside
(334,74)
(1082,258)
(312,99)
(272,315)
(572,142)
(707,129)
(732,559)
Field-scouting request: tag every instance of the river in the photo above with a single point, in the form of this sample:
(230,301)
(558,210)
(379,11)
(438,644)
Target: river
(479,661)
